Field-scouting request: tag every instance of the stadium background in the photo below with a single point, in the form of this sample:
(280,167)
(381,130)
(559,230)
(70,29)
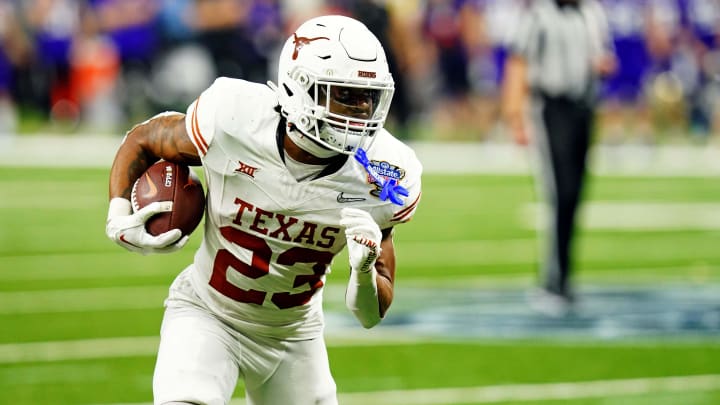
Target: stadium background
(79,317)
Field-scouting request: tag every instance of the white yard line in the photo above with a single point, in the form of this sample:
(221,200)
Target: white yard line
(12,353)
(79,300)
(139,346)
(528,392)
(651,216)
(535,392)
(38,270)
(336,336)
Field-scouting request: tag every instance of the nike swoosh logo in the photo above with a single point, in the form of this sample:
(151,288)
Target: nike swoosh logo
(152,188)
(122,238)
(342,199)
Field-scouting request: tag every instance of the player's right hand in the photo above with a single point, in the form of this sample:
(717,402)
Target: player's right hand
(127,229)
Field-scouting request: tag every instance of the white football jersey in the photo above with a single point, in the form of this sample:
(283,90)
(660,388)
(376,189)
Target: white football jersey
(269,240)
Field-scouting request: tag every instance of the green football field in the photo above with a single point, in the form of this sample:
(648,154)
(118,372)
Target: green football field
(79,316)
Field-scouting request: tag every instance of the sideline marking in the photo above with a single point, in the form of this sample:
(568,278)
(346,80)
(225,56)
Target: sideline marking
(527,392)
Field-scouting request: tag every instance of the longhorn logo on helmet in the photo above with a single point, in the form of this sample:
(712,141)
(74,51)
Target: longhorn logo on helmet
(299,42)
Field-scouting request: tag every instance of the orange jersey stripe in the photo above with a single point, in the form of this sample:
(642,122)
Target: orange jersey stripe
(197,135)
(405,212)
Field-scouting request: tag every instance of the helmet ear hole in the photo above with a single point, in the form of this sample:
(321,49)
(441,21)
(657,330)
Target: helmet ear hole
(304,123)
(302,79)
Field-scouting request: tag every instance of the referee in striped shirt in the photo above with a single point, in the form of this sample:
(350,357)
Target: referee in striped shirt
(559,51)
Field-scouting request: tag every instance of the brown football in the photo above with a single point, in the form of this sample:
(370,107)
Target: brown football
(166,181)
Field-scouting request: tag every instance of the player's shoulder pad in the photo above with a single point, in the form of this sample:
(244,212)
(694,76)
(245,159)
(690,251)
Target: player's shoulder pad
(228,105)
(393,159)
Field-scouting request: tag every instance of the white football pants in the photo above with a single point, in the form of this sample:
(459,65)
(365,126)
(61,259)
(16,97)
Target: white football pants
(200,359)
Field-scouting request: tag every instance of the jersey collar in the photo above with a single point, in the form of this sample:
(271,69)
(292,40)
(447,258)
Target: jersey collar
(331,168)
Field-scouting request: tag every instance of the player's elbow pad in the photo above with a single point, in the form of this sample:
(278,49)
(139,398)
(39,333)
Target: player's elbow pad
(361,298)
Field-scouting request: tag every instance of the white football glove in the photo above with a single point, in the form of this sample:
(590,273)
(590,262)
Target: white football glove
(363,238)
(127,229)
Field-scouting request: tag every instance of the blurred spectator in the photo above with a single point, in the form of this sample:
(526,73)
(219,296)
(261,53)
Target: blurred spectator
(411,64)
(701,20)
(449,28)
(684,42)
(182,67)
(7,107)
(664,92)
(448,57)
(175,22)
(132,26)
(624,110)
(238,33)
(487,59)
(295,12)
(15,54)
(95,70)
(177,75)
(54,24)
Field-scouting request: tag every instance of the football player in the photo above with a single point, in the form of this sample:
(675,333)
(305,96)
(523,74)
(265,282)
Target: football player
(294,172)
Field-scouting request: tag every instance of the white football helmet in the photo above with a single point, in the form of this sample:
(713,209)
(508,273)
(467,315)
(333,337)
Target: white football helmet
(334,84)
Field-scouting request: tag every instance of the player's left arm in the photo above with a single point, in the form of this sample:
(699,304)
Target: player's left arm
(385,267)
(372,266)
(371,249)
(371,252)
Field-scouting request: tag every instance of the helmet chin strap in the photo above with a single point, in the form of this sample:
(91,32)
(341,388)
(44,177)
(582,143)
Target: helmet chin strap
(308,145)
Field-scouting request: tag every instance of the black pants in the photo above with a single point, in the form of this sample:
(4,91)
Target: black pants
(564,130)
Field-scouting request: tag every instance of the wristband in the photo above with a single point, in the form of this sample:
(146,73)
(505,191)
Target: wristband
(361,297)
(119,207)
